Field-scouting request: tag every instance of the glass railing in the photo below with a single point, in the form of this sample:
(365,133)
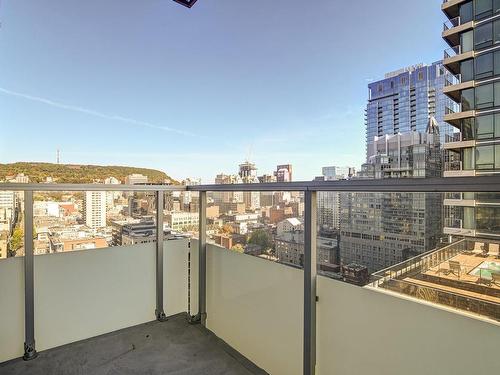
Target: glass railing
(449,111)
(381,230)
(453,223)
(455,137)
(73,220)
(438,296)
(453,166)
(451,80)
(449,24)
(451,52)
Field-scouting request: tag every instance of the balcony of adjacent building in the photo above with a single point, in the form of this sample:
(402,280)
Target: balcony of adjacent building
(454,84)
(456,169)
(460,200)
(451,8)
(457,141)
(186,306)
(455,116)
(453,28)
(453,56)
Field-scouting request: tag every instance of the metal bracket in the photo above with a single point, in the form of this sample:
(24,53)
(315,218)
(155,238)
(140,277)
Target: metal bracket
(29,351)
(197,319)
(160,316)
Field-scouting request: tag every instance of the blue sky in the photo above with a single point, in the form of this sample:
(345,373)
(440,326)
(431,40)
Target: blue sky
(195,92)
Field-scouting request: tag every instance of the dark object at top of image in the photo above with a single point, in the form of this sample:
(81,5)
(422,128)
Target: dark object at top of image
(186,3)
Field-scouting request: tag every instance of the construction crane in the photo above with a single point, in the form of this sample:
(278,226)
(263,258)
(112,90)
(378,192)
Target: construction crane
(186,3)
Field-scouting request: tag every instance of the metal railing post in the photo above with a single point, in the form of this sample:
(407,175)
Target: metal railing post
(202,261)
(159,312)
(310,272)
(29,300)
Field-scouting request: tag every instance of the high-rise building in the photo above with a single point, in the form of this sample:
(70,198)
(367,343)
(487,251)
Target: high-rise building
(405,100)
(111,196)
(283,173)
(136,178)
(7,199)
(329,201)
(378,230)
(94,209)
(227,196)
(474,57)
(332,173)
(329,210)
(248,174)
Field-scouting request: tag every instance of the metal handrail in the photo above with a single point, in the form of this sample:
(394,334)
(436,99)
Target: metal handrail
(87,187)
(414,185)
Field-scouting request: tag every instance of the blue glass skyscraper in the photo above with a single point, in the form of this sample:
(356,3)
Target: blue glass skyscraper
(405,100)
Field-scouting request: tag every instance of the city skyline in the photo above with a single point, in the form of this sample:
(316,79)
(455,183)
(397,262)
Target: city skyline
(150,102)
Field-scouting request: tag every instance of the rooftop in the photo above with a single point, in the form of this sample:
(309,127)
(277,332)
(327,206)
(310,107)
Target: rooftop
(464,275)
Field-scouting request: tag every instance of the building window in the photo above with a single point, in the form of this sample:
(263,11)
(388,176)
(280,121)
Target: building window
(483,35)
(487,34)
(466,41)
(467,129)
(488,219)
(485,157)
(420,76)
(485,127)
(466,12)
(467,70)
(484,66)
(467,100)
(484,96)
(486,8)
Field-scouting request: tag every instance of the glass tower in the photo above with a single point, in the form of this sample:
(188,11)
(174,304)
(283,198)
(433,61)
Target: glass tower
(405,100)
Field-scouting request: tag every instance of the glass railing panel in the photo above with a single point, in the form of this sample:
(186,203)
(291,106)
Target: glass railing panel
(82,220)
(269,225)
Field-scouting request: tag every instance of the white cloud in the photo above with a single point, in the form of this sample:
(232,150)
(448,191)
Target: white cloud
(91,112)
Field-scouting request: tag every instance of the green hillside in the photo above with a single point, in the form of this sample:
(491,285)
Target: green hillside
(78,174)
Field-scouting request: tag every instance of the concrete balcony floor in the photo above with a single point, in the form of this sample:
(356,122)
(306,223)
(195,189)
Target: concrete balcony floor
(172,347)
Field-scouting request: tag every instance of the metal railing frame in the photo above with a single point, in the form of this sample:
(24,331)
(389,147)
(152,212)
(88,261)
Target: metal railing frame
(428,185)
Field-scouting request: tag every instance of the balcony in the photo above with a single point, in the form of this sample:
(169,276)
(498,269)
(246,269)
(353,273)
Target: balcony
(456,142)
(105,310)
(452,7)
(454,86)
(453,28)
(454,118)
(455,169)
(453,56)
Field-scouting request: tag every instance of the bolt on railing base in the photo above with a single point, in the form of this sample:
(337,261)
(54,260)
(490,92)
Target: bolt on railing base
(160,316)
(29,352)
(193,319)
(197,319)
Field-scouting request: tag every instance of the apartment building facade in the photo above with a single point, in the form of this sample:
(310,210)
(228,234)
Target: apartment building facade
(473,34)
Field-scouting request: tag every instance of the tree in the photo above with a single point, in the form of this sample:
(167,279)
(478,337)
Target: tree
(16,241)
(226,229)
(262,238)
(238,247)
